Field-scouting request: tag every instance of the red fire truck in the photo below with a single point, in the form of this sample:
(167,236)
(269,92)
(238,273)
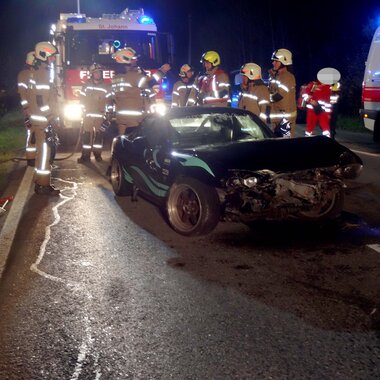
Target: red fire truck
(83,40)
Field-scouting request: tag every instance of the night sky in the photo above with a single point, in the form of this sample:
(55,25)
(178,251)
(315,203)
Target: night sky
(319,33)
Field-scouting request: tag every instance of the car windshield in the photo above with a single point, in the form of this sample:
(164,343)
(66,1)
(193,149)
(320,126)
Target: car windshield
(213,128)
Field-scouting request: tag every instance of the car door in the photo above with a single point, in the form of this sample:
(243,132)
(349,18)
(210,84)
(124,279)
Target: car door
(150,150)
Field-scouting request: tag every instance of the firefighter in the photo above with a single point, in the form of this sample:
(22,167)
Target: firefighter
(43,115)
(317,97)
(212,89)
(22,85)
(95,98)
(133,92)
(282,88)
(254,96)
(182,88)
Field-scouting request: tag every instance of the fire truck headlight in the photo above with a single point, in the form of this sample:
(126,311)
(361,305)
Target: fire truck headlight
(159,108)
(73,112)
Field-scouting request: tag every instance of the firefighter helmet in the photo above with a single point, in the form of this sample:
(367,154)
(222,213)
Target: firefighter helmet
(212,57)
(283,55)
(44,49)
(251,71)
(30,58)
(184,70)
(126,55)
(95,67)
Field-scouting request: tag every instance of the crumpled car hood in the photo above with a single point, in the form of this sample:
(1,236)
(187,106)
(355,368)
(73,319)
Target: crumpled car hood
(274,154)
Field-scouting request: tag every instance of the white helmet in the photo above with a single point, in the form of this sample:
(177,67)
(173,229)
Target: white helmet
(30,58)
(283,55)
(184,70)
(251,71)
(43,50)
(126,55)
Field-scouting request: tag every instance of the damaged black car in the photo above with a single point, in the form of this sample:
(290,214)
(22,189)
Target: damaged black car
(206,165)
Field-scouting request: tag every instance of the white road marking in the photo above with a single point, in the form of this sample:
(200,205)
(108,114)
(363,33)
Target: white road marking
(87,342)
(375,247)
(57,218)
(84,350)
(12,220)
(366,153)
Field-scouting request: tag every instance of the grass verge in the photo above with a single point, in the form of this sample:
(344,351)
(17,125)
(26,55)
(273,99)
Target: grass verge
(351,123)
(12,140)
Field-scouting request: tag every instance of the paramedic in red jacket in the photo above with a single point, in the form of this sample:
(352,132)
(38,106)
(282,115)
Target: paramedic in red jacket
(318,104)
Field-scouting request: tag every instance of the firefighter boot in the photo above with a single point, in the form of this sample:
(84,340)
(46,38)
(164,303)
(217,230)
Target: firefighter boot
(98,156)
(46,190)
(85,157)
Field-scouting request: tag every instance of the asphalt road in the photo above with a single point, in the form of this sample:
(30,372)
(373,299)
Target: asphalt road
(98,287)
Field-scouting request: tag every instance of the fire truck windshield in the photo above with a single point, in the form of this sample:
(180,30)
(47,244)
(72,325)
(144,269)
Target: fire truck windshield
(84,47)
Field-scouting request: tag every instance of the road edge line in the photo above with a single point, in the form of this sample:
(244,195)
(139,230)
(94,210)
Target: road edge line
(375,247)
(12,220)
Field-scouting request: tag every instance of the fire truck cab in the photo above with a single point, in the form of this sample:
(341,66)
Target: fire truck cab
(371,88)
(83,40)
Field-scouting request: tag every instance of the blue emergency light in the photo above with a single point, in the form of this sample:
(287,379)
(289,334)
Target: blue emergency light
(76,20)
(145,20)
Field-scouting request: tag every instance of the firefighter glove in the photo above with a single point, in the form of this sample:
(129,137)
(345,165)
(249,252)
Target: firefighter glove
(105,125)
(318,109)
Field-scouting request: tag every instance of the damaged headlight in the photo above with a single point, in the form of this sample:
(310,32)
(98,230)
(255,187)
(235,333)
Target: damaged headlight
(250,181)
(240,181)
(350,166)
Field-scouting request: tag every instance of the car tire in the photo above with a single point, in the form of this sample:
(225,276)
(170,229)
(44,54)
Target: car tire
(192,207)
(119,185)
(330,209)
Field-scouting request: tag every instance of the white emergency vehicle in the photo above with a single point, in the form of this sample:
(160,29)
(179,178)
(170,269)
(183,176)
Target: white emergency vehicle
(371,88)
(83,40)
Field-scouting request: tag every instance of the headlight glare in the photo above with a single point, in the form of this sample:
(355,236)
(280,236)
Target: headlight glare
(73,112)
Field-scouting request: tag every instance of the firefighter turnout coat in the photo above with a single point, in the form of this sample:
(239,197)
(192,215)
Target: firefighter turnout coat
(282,88)
(211,90)
(133,94)
(181,92)
(43,112)
(22,87)
(23,79)
(95,98)
(255,99)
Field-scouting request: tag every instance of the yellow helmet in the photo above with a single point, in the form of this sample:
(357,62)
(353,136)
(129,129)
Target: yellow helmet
(126,55)
(284,56)
(30,58)
(184,70)
(212,57)
(251,71)
(336,87)
(44,49)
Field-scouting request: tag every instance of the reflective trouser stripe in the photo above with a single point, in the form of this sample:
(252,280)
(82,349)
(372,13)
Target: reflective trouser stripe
(30,144)
(42,167)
